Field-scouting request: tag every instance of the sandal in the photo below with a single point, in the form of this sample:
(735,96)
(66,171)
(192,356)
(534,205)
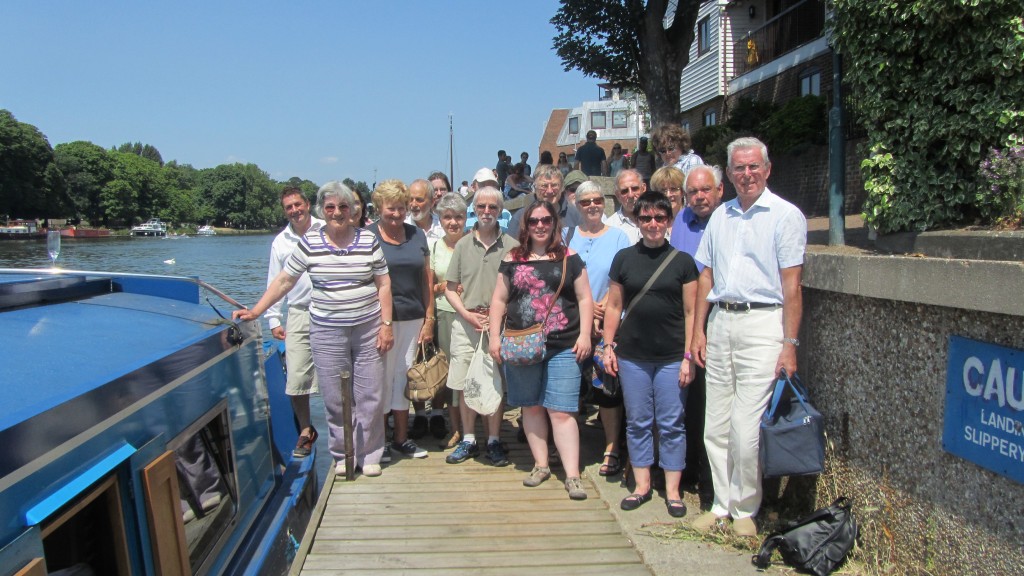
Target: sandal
(610,468)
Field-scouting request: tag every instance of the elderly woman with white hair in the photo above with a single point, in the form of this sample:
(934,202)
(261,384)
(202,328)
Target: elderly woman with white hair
(598,243)
(350,321)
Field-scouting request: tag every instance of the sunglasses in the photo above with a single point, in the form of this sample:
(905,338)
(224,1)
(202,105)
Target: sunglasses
(646,219)
(590,201)
(545,220)
(490,207)
(333,207)
(666,149)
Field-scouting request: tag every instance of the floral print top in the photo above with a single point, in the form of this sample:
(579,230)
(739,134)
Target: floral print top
(532,286)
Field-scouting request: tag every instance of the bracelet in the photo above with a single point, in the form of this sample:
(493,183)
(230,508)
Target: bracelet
(688,356)
(793,341)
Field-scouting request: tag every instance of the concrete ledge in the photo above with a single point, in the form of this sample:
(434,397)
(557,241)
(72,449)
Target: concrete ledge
(965,244)
(982,285)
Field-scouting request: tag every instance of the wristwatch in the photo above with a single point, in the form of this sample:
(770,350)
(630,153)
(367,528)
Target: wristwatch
(386,322)
(793,341)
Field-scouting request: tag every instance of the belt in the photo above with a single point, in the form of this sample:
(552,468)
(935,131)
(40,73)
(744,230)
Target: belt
(298,306)
(745,306)
(481,310)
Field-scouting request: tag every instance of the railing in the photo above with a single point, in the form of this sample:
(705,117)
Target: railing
(792,28)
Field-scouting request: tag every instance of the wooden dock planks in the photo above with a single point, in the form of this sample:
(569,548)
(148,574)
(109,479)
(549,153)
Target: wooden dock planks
(427,517)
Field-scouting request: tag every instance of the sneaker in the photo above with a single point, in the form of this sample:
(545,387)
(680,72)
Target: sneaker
(409,448)
(537,475)
(496,454)
(385,457)
(451,442)
(463,451)
(419,427)
(339,468)
(438,428)
(305,444)
(371,470)
(574,486)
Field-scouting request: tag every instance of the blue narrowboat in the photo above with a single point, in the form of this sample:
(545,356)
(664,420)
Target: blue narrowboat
(142,432)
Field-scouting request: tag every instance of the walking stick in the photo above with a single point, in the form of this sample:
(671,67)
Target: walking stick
(346,415)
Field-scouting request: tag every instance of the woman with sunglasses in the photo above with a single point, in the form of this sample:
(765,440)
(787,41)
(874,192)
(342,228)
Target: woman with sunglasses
(650,349)
(527,289)
(350,321)
(597,244)
(672,143)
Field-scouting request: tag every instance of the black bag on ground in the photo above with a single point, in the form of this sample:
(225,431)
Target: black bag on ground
(792,432)
(816,543)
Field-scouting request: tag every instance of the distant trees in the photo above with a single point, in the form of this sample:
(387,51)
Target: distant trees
(124,185)
(31,185)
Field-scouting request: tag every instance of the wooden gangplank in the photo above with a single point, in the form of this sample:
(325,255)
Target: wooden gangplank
(426,517)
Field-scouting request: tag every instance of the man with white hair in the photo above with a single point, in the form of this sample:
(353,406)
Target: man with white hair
(485,177)
(753,253)
(474,268)
(421,210)
(629,185)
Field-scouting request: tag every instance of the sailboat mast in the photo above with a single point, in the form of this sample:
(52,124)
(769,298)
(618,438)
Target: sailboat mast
(451,154)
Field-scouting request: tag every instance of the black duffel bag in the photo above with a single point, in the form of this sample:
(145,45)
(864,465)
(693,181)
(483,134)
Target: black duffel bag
(816,543)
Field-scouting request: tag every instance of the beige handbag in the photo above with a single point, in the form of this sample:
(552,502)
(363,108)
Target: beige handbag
(427,374)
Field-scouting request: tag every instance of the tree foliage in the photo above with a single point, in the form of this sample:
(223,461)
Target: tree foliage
(31,185)
(937,83)
(633,43)
(123,186)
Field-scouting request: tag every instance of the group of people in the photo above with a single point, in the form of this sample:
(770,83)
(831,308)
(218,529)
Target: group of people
(695,304)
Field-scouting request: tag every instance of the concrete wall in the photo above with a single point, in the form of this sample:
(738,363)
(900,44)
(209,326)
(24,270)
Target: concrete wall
(874,346)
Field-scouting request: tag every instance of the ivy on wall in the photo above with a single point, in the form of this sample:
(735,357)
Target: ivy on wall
(938,83)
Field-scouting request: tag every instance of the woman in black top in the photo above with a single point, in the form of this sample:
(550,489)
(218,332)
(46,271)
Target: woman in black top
(651,349)
(528,286)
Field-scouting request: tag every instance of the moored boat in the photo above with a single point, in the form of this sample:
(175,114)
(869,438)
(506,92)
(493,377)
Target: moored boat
(21,230)
(206,230)
(78,232)
(152,227)
(143,433)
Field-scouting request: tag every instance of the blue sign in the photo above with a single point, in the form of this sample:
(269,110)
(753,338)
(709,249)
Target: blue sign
(985,406)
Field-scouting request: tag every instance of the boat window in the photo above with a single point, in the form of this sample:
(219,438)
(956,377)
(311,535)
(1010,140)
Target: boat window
(206,484)
(87,535)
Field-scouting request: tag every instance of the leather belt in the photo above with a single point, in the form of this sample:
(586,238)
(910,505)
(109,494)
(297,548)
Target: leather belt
(745,306)
(481,310)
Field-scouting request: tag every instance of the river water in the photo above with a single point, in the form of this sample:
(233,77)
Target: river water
(234,264)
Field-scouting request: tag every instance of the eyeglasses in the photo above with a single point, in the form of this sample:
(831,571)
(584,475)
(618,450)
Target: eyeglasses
(549,186)
(333,207)
(744,167)
(590,201)
(629,189)
(672,189)
(483,207)
(646,219)
(545,220)
(666,149)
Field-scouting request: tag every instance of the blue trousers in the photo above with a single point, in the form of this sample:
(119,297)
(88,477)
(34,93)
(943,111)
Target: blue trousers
(652,397)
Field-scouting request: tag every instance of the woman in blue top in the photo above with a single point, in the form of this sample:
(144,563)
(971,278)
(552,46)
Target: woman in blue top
(597,243)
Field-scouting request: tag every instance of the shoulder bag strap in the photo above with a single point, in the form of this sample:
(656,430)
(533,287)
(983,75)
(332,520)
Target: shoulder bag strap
(650,282)
(558,291)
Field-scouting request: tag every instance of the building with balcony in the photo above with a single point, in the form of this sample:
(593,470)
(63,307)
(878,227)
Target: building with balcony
(768,51)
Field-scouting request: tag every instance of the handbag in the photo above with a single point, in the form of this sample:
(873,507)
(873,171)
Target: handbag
(427,375)
(601,380)
(528,346)
(792,433)
(816,543)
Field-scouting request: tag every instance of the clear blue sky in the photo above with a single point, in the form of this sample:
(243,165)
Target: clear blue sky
(316,89)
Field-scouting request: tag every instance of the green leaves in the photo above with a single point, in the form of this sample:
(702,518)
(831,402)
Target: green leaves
(936,82)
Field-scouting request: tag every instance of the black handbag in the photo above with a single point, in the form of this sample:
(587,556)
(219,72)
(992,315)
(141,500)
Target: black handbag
(816,543)
(792,432)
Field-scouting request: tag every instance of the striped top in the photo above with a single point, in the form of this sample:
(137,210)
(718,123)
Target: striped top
(344,293)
